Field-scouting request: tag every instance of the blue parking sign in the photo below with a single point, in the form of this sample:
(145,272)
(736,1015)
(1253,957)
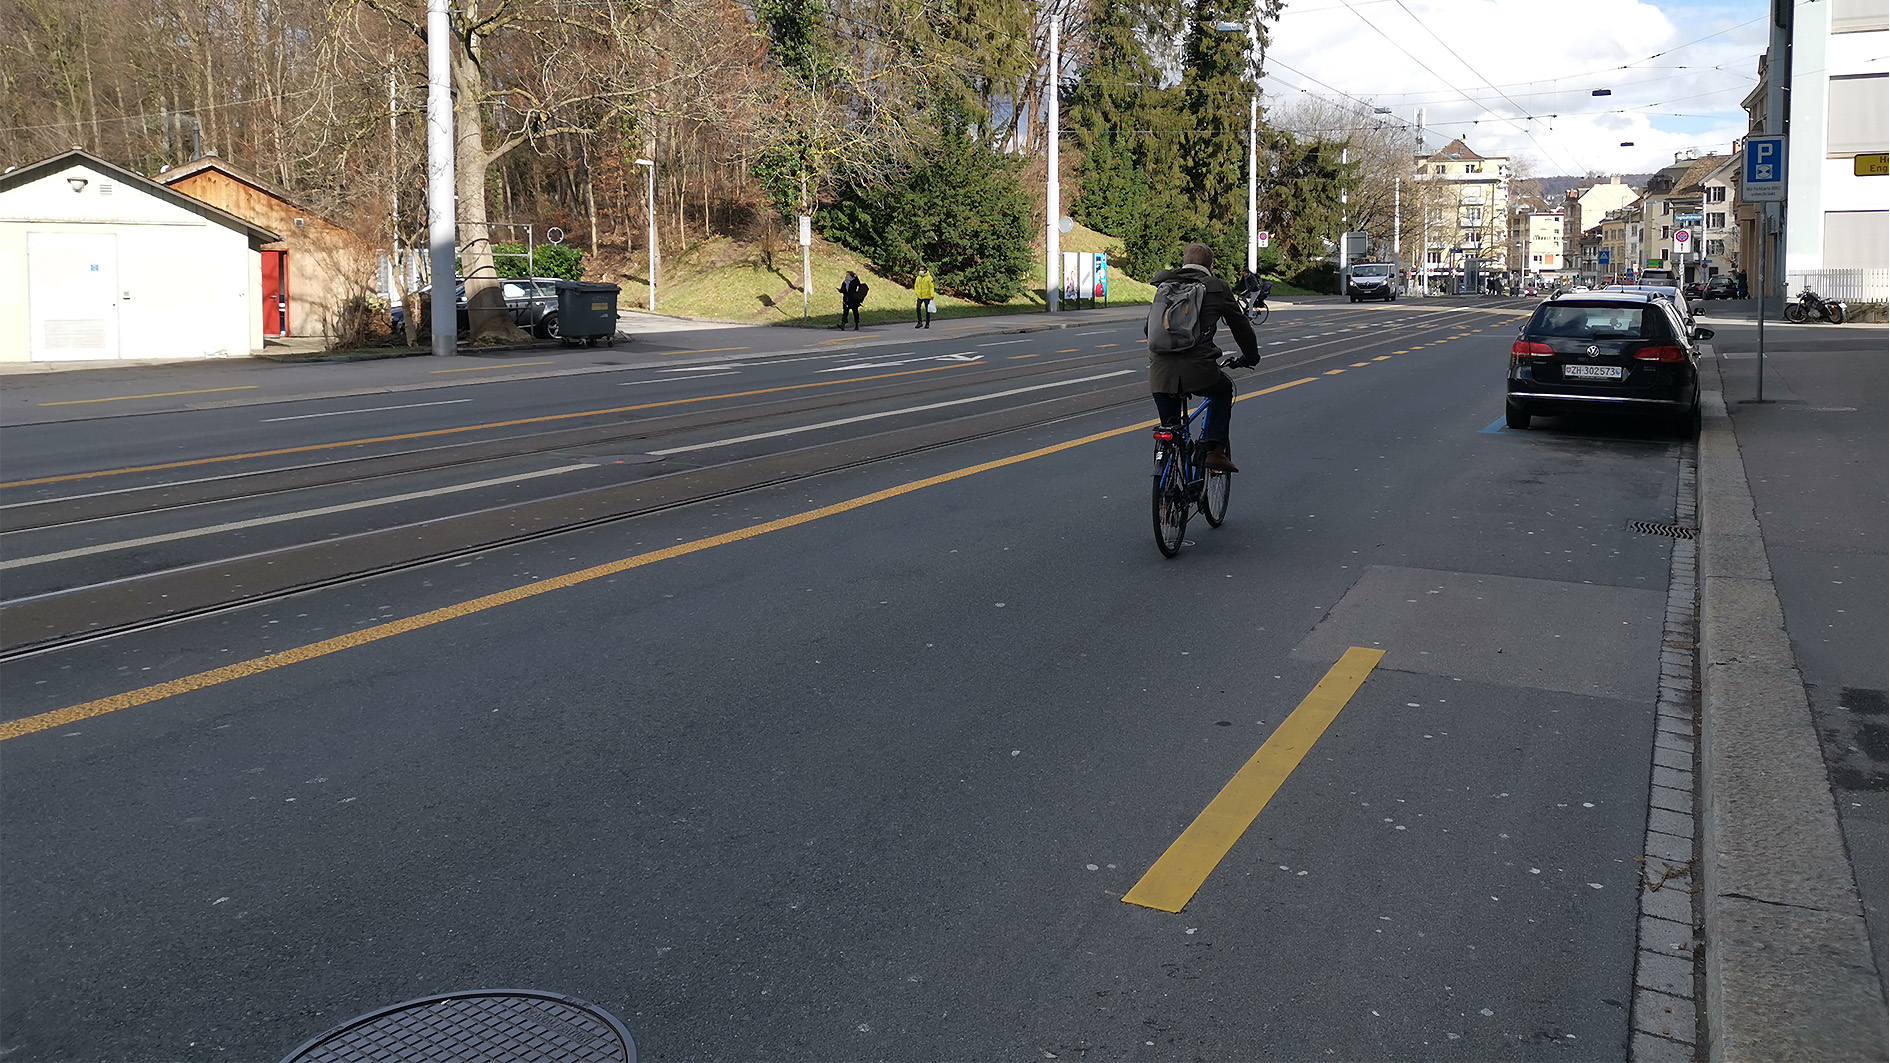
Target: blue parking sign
(1763,179)
(1603,258)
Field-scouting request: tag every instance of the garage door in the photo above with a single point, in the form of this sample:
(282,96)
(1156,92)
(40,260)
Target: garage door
(72,295)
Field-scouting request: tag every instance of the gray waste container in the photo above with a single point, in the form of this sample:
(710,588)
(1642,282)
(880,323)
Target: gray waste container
(587,310)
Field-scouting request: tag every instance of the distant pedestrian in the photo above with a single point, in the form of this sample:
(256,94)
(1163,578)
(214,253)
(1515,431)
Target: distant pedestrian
(1739,282)
(852,294)
(923,287)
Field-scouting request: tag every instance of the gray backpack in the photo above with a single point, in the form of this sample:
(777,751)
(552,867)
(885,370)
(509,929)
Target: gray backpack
(1174,317)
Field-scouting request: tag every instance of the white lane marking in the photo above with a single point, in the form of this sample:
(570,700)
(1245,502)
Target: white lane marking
(961,356)
(1002,343)
(889,413)
(698,368)
(149,540)
(665,380)
(863,365)
(377,409)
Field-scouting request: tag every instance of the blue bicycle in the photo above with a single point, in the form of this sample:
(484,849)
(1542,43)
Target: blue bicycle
(1183,483)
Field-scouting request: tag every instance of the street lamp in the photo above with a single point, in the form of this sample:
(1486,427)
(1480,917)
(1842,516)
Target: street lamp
(651,165)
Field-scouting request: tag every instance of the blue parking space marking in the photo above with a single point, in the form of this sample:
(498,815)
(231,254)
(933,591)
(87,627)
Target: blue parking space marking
(1495,427)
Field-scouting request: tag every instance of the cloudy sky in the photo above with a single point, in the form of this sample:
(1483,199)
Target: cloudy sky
(1516,77)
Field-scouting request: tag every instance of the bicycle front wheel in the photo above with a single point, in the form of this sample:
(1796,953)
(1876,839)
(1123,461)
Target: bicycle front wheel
(1168,499)
(1214,497)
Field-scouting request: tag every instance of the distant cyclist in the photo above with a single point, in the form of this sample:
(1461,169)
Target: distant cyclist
(1196,370)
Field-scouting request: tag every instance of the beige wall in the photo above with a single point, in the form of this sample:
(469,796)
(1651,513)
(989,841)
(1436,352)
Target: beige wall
(328,265)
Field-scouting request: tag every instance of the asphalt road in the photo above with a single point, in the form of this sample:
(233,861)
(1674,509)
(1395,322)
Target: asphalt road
(852,745)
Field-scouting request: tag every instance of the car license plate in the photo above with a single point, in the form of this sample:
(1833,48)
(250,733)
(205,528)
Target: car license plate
(1591,372)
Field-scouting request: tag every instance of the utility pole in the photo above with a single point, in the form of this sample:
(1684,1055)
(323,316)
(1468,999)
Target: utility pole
(1053,207)
(1253,197)
(442,205)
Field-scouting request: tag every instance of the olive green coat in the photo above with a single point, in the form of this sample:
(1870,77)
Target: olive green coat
(1199,368)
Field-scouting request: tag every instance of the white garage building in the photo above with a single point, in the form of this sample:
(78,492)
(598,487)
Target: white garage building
(98,262)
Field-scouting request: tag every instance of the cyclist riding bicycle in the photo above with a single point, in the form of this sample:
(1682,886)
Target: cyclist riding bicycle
(1251,290)
(1197,369)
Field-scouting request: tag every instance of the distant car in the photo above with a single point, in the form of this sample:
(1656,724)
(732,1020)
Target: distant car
(1696,290)
(533,302)
(1618,351)
(1666,291)
(1722,287)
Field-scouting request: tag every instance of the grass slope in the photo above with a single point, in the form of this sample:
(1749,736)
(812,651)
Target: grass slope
(723,280)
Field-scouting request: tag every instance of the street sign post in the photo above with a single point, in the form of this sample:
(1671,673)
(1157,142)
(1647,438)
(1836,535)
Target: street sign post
(1763,178)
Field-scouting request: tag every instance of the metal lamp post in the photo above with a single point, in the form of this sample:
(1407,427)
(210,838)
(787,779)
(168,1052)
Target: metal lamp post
(650,166)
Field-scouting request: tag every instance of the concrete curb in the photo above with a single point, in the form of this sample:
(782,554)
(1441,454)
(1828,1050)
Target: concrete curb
(1789,973)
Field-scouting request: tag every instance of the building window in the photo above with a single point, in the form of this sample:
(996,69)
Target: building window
(1859,114)
(1439,168)
(1716,220)
(1857,16)
(1666,232)
(1473,216)
(1715,247)
(1716,194)
(1434,257)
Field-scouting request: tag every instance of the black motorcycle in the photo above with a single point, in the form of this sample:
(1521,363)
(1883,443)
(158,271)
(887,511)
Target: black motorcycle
(1810,306)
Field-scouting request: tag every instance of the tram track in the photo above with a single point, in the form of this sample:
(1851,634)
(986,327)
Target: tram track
(59,619)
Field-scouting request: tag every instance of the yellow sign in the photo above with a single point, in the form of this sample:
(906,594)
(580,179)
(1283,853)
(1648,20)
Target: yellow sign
(1874,165)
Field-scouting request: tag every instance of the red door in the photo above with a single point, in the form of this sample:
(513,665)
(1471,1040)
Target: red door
(275,293)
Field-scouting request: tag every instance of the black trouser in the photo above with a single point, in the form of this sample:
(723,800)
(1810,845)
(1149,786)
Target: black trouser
(1220,410)
(925,313)
(855,311)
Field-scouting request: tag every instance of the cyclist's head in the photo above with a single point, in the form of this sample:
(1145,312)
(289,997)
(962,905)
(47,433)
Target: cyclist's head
(1197,255)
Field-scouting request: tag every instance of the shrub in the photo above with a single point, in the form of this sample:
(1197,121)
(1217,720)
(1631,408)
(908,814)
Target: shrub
(546,260)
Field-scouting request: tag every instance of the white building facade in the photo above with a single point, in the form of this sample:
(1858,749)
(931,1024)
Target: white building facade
(100,263)
(1837,221)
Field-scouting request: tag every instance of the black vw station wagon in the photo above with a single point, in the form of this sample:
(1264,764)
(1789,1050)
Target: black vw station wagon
(1593,351)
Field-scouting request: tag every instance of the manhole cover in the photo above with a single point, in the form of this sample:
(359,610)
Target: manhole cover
(479,1024)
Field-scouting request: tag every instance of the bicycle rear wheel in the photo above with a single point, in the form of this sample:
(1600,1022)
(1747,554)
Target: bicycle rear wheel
(1214,497)
(1258,315)
(1168,499)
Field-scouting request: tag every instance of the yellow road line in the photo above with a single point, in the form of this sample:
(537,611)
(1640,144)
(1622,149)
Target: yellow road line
(1015,357)
(1072,350)
(705,350)
(145,695)
(478,368)
(466,428)
(1106,346)
(1334,372)
(1172,882)
(1382,358)
(159,395)
(1359,365)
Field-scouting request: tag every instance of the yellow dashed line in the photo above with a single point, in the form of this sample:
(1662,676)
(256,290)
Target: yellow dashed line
(1334,372)
(1173,880)
(1015,357)
(1106,346)
(202,680)
(159,395)
(464,428)
(1358,365)
(1382,358)
(1072,350)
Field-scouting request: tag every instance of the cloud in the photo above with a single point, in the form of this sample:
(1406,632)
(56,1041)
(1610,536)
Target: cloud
(1516,77)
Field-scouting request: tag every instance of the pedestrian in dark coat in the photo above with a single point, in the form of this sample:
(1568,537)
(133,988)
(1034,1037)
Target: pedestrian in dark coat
(852,294)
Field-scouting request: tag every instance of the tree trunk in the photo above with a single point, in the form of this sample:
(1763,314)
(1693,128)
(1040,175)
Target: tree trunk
(486,317)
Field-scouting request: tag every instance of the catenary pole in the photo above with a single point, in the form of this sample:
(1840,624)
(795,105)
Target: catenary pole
(1053,207)
(442,228)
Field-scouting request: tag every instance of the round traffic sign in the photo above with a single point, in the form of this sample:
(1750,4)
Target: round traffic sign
(1681,236)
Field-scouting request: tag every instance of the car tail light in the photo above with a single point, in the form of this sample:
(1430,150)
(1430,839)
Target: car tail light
(1523,348)
(1661,354)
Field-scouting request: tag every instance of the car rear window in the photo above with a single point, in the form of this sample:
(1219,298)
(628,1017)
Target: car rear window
(1603,322)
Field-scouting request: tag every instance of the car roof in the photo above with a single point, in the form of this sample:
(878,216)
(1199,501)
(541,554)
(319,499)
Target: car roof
(1604,298)
(1664,289)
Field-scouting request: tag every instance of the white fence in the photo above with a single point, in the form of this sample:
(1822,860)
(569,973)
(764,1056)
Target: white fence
(1850,285)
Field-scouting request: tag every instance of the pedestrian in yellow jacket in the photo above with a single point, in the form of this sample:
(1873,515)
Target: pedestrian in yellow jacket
(923,288)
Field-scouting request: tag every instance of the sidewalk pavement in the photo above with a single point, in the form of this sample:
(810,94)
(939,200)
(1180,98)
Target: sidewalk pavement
(1792,671)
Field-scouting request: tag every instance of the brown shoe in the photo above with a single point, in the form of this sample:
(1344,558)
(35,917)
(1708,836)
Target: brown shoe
(1218,461)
